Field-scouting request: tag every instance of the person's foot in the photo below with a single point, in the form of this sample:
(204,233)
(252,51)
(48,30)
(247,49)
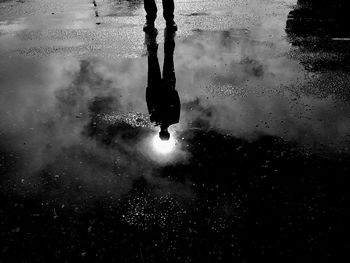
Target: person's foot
(171,26)
(150,28)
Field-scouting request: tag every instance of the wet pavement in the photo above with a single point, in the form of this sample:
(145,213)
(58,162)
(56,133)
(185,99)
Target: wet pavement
(259,168)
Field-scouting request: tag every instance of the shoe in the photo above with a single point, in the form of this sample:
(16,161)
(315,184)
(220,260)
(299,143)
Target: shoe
(150,28)
(171,26)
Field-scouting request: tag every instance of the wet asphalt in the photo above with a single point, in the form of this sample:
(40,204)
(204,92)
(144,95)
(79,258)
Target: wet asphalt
(260,169)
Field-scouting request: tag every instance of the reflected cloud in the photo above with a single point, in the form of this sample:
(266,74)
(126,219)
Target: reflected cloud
(247,93)
(90,113)
(84,123)
(72,129)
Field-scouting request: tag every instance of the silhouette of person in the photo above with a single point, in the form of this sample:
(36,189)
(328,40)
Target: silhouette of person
(151,15)
(162,99)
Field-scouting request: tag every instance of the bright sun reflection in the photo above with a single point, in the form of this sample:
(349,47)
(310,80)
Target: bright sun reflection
(163,147)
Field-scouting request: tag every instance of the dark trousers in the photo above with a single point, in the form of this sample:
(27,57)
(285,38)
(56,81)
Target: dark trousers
(155,80)
(151,10)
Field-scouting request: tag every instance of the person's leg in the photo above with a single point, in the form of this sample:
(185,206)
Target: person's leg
(168,10)
(151,10)
(168,65)
(171,101)
(168,14)
(154,77)
(153,83)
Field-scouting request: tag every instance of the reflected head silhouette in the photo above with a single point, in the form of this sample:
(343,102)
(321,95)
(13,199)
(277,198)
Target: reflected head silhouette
(163,100)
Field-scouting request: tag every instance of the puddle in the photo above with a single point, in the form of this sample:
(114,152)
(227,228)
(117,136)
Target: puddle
(259,154)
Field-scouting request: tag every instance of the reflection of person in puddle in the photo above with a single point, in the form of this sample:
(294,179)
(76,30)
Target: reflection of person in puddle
(162,99)
(151,15)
